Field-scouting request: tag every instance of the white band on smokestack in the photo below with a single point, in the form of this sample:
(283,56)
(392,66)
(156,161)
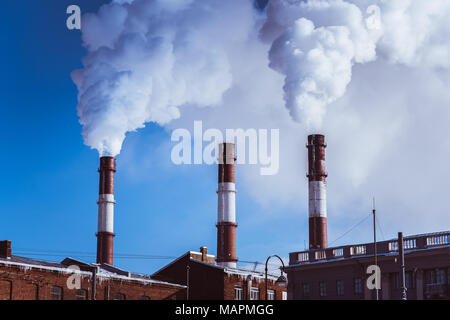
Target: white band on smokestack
(106,213)
(226,205)
(317,199)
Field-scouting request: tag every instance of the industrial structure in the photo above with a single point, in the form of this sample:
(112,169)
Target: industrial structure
(222,281)
(342,272)
(226,207)
(29,279)
(206,280)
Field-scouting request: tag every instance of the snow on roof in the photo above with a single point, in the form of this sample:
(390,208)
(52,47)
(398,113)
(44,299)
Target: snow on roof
(102,273)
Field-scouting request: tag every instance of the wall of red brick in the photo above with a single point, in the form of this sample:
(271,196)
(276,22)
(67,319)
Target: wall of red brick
(17,283)
(232,280)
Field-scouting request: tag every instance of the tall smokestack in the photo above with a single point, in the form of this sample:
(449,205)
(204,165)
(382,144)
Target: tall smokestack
(226,207)
(106,204)
(317,192)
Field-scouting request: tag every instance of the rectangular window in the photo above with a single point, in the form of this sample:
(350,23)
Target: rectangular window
(305,290)
(440,276)
(238,293)
(284,295)
(322,289)
(81,294)
(56,293)
(358,286)
(340,287)
(270,295)
(254,294)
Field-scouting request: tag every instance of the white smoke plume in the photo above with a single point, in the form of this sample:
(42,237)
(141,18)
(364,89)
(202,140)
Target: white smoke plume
(148,58)
(317,42)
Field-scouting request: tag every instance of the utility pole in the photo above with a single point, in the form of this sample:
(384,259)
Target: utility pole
(375,243)
(187,282)
(402,266)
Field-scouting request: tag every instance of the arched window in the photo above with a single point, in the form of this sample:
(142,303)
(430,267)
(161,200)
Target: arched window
(119,296)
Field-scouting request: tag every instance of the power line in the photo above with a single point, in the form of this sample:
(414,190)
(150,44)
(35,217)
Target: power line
(84,254)
(351,229)
(381,230)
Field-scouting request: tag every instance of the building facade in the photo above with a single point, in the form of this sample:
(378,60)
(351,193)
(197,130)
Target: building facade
(207,281)
(29,279)
(342,272)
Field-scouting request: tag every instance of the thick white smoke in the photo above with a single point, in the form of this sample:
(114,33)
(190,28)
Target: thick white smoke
(380,92)
(317,42)
(149,58)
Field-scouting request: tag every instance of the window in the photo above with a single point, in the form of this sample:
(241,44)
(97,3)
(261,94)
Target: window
(56,293)
(305,290)
(440,276)
(410,281)
(238,293)
(119,296)
(322,289)
(81,294)
(254,293)
(340,287)
(145,298)
(358,285)
(284,295)
(270,295)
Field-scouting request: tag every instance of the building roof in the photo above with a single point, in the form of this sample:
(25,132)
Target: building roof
(103,271)
(226,270)
(412,244)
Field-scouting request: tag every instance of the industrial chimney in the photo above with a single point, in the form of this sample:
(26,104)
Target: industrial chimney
(317,192)
(226,207)
(106,204)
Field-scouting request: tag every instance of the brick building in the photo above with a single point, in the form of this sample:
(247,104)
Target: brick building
(29,279)
(341,272)
(208,281)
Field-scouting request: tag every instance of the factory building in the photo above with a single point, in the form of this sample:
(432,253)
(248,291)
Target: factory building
(209,281)
(29,279)
(211,278)
(342,272)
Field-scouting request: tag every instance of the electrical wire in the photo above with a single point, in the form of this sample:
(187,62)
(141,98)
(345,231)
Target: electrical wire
(379,227)
(351,229)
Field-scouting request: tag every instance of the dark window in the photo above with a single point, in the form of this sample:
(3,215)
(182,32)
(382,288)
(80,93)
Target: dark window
(56,293)
(145,298)
(305,290)
(410,280)
(440,276)
(81,294)
(119,296)
(322,289)
(340,287)
(358,285)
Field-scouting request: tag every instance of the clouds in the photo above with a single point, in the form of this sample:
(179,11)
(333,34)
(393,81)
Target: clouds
(379,94)
(147,59)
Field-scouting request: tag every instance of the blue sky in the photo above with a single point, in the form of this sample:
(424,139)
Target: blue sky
(49,181)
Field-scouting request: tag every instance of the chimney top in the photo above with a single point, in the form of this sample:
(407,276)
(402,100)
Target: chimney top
(204,251)
(5,249)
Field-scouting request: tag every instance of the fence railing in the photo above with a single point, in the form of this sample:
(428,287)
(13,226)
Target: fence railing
(422,241)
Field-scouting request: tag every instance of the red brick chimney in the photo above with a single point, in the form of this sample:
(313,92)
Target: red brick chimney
(317,192)
(106,204)
(5,249)
(226,207)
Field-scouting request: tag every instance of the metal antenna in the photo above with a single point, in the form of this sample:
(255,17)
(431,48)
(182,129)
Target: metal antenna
(375,241)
